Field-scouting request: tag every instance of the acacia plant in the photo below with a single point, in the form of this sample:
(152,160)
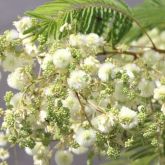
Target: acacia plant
(88,77)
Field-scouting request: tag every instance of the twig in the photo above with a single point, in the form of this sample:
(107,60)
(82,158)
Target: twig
(83,109)
(86,116)
(99,109)
(128,52)
(114,52)
(159,50)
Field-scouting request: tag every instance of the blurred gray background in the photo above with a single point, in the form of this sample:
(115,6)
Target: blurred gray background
(9,11)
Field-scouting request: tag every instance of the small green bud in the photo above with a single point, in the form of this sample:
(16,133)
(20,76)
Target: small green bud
(8,97)
(113,152)
(129,142)
(154,142)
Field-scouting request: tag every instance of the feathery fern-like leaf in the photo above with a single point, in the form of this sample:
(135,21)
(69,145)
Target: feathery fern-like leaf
(150,14)
(108,18)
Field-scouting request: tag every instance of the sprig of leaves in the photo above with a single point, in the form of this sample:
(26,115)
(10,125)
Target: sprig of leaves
(108,18)
(149,14)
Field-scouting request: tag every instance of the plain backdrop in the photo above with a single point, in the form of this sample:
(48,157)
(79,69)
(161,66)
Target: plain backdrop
(9,11)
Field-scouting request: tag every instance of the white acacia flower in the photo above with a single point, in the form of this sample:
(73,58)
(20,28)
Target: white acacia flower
(105,71)
(85,137)
(43,115)
(4,154)
(89,40)
(94,40)
(48,59)
(131,69)
(78,80)
(146,88)
(3,140)
(12,35)
(104,122)
(62,58)
(91,63)
(16,99)
(63,157)
(71,102)
(77,40)
(41,161)
(73,40)
(159,92)
(151,57)
(17,79)
(128,118)
(28,151)
(38,148)
(11,61)
(23,24)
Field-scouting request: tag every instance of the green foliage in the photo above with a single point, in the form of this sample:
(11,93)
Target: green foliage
(138,153)
(7,98)
(149,14)
(143,161)
(108,18)
(60,117)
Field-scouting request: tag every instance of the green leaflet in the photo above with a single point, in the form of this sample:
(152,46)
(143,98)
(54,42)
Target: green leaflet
(109,18)
(148,160)
(54,6)
(150,14)
(140,153)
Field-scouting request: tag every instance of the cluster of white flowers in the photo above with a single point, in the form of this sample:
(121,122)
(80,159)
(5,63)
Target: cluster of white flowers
(104,122)
(85,137)
(18,79)
(12,62)
(22,25)
(89,40)
(146,88)
(75,98)
(72,103)
(159,93)
(105,71)
(128,118)
(78,80)
(62,58)
(91,64)
(40,154)
(63,158)
(4,154)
